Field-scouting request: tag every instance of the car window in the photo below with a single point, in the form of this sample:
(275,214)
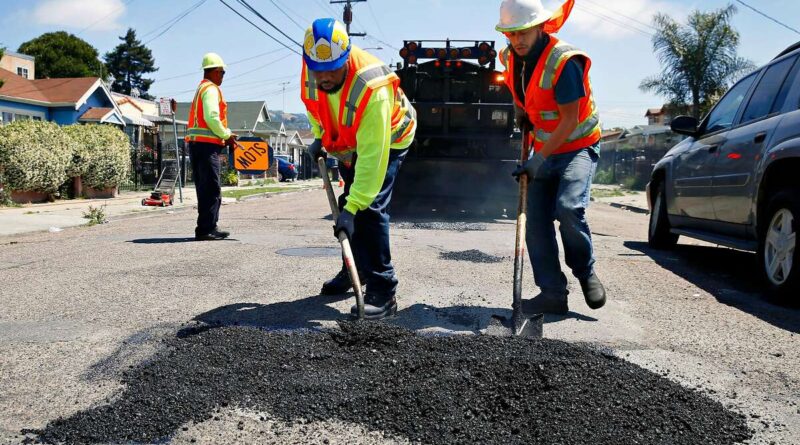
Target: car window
(724,113)
(767,95)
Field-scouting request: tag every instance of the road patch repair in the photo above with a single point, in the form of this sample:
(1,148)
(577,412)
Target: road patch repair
(442,225)
(473,256)
(424,389)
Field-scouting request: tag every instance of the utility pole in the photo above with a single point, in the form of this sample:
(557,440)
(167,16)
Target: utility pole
(283,85)
(347,16)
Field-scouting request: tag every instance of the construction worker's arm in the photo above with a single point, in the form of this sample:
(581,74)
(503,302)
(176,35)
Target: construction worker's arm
(373,140)
(211,113)
(568,90)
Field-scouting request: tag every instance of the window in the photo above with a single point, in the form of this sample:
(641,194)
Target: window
(22,72)
(768,95)
(724,113)
(7,118)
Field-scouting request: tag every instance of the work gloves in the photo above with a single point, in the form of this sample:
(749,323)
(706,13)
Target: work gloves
(345,223)
(316,151)
(531,167)
(231,141)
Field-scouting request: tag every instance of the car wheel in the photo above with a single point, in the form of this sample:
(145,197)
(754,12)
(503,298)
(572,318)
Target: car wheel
(778,257)
(658,233)
(280,178)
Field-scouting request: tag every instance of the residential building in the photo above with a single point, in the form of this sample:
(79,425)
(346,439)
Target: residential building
(22,65)
(658,116)
(64,101)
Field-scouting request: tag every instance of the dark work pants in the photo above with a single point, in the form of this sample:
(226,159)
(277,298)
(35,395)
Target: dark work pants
(371,237)
(205,174)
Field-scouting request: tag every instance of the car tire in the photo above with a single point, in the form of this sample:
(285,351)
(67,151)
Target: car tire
(658,231)
(778,257)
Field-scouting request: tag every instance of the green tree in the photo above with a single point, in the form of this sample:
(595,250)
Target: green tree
(60,54)
(2,52)
(699,60)
(128,62)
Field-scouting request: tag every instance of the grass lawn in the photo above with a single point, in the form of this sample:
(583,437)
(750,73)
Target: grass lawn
(239,194)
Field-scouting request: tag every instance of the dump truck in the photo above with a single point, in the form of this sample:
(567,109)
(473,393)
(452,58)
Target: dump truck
(466,145)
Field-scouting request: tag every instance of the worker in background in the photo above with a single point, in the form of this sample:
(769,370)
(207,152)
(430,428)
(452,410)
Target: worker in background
(361,117)
(549,80)
(207,134)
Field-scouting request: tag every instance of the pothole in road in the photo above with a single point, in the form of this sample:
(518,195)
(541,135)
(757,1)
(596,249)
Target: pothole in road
(310,251)
(473,256)
(431,389)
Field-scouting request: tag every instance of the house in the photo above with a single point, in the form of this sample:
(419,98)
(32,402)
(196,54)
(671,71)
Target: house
(22,65)
(658,116)
(248,118)
(63,101)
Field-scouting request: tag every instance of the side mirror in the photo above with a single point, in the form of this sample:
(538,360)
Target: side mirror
(685,125)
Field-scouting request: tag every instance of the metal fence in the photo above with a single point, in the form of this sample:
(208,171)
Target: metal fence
(147,163)
(629,161)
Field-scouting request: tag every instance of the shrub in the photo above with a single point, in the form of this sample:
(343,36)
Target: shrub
(604,177)
(34,155)
(104,155)
(229,177)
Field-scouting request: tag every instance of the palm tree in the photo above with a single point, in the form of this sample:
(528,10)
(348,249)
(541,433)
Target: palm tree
(699,60)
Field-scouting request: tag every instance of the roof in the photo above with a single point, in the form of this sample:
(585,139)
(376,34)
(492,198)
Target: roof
(654,111)
(244,116)
(19,55)
(647,130)
(70,91)
(102,115)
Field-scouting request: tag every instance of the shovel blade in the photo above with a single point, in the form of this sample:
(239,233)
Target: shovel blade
(518,325)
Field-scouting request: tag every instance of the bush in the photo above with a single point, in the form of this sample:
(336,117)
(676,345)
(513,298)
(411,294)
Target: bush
(34,155)
(103,158)
(229,177)
(604,177)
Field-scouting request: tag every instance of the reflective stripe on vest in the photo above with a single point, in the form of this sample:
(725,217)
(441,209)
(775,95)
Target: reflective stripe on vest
(365,74)
(198,130)
(540,101)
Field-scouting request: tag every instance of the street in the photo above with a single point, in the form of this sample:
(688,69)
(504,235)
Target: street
(82,306)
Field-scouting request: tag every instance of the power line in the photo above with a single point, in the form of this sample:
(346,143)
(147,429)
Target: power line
(647,25)
(174,21)
(272,62)
(287,15)
(259,28)
(613,20)
(375,18)
(768,17)
(194,73)
(258,14)
(106,16)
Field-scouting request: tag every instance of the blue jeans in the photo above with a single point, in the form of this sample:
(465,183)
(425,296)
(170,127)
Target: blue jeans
(370,240)
(561,191)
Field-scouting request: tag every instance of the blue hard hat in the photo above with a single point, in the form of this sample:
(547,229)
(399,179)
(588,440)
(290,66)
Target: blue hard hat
(326,46)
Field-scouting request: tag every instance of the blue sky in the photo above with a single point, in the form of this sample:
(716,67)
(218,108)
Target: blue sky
(616,37)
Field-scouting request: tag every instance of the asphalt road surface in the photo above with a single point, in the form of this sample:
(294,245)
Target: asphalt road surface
(84,307)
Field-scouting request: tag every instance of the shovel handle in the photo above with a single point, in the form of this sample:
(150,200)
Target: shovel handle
(347,251)
(522,212)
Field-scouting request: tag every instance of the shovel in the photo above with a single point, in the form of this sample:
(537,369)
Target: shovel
(520,324)
(347,252)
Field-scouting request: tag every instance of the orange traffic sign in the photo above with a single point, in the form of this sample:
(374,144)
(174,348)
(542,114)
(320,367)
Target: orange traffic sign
(251,154)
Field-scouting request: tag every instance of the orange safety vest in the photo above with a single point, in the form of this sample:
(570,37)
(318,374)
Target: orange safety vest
(540,97)
(198,130)
(365,74)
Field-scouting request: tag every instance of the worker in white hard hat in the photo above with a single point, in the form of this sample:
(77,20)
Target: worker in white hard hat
(549,80)
(207,133)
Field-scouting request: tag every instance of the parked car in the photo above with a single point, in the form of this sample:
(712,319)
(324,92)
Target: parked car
(287,171)
(735,180)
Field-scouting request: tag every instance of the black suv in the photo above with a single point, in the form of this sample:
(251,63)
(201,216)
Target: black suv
(735,181)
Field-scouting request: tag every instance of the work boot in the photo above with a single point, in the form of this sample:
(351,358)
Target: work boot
(213,236)
(337,285)
(593,292)
(220,233)
(376,307)
(546,303)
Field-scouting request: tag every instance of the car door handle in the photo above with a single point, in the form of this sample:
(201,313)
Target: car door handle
(760,137)
(713,148)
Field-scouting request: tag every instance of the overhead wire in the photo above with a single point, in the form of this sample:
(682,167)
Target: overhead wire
(613,20)
(91,25)
(293,49)
(287,15)
(194,72)
(769,17)
(174,21)
(259,15)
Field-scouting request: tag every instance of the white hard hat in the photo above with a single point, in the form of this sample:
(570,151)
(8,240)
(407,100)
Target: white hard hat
(516,15)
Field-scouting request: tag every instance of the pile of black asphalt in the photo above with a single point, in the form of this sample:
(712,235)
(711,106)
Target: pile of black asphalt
(427,389)
(473,256)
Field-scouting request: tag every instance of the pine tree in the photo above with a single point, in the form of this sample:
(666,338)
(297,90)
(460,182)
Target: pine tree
(127,63)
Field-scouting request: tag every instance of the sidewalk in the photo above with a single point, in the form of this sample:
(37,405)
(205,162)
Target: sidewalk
(59,215)
(616,196)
